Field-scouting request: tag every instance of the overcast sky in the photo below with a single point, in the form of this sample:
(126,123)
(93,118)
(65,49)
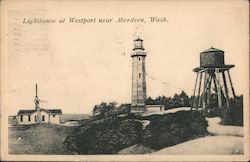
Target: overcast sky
(79,65)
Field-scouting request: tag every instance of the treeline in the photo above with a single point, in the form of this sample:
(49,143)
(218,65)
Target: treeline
(110,109)
(178,100)
(233,116)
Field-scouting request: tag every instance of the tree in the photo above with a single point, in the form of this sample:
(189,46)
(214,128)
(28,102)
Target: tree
(125,108)
(111,109)
(158,101)
(184,99)
(149,101)
(103,108)
(178,100)
(170,104)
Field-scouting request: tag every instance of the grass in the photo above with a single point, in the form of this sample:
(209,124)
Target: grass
(39,139)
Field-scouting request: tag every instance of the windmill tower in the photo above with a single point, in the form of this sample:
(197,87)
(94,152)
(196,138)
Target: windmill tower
(138,77)
(212,75)
(37,107)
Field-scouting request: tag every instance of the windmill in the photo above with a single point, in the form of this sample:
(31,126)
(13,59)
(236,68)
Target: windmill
(37,107)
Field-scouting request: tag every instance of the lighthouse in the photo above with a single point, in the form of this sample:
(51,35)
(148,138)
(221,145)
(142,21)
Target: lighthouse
(138,77)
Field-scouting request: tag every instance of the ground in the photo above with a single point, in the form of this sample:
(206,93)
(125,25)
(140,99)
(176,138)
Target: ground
(225,140)
(38,139)
(44,138)
(217,129)
(136,149)
(210,145)
(48,139)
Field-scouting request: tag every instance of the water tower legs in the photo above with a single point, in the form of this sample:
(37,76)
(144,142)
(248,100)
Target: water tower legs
(231,84)
(226,90)
(204,80)
(199,90)
(219,89)
(195,85)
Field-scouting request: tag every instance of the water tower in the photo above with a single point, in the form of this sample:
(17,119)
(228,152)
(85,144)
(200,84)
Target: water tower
(213,77)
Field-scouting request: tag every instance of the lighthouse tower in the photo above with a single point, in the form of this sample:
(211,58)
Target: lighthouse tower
(138,77)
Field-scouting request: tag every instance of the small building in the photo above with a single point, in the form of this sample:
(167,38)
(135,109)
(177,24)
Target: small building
(26,117)
(38,115)
(154,108)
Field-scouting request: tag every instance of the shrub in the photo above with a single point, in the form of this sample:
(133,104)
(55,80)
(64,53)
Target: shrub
(105,137)
(109,136)
(174,128)
(233,115)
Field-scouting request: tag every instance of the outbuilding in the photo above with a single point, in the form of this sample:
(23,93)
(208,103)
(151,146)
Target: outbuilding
(26,117)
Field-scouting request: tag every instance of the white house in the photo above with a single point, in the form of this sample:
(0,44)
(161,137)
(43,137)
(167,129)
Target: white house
(26,117)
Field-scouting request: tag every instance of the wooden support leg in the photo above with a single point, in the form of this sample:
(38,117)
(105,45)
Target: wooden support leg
(226,90)
(231,84)
(215,85)
(193,100)
(204,92)
(209,89)
(218,87)
(199,90)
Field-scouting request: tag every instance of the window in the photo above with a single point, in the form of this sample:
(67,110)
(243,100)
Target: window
(35,119)
(29,118)
(21,118)
(139,75)
(139,58)
(43,117)
(54,115)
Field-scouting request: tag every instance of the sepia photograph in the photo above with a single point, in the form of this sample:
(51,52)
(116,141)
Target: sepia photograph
(134,80)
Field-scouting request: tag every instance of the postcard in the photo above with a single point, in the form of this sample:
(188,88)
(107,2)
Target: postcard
(133,80)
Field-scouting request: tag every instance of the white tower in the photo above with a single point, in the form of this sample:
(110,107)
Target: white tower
(138,77)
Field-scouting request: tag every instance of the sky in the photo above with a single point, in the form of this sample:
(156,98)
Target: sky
(79,65)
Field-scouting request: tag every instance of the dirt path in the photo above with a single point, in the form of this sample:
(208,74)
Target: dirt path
(217,129)
(227,140)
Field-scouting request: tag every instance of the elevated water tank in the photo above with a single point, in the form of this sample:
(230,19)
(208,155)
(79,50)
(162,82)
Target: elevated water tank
(212,57)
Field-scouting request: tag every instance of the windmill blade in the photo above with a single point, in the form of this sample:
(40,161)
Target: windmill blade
(43,101)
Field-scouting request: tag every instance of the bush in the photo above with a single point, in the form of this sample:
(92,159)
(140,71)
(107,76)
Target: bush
(174,128)
(233,115)
(106,136)
(109,136)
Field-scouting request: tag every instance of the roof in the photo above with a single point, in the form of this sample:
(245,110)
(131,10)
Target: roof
(28,112)
(25,112)
(212,49)
(138,39)
(54,111)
